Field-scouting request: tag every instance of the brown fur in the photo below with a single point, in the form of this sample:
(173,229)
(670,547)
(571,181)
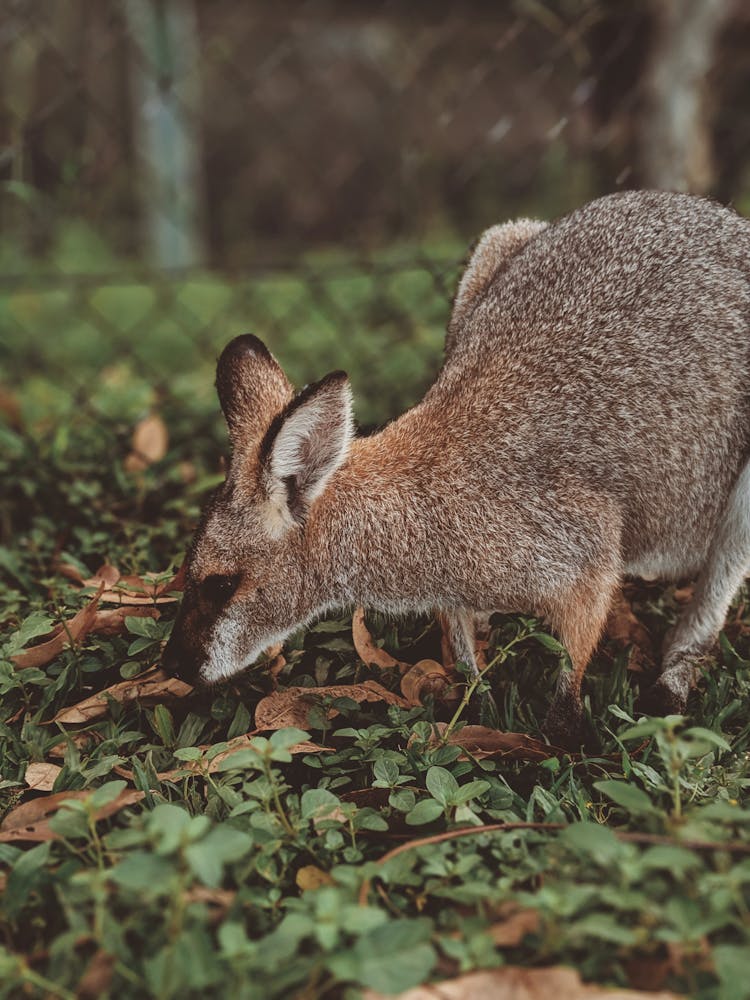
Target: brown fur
(591,421)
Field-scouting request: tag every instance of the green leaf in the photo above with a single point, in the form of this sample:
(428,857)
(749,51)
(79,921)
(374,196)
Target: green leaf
(283,740)
(386,773)
(106,793)
(732,964)
(630,797)
(316,801)
(592,839)
(548,641)
(144,872)
(425,811)
(38,623)
(27,873)
(442,786)
(471,790)
(706,736)
(390,959)
(208,857)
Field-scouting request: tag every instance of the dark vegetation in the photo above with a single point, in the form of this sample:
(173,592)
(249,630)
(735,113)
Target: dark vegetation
(260,876)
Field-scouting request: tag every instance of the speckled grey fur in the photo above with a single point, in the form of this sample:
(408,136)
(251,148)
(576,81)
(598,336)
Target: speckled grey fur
(591,421)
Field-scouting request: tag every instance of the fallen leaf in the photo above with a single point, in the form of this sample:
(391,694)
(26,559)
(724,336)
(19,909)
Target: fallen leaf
(63,635)
(310,877)
(199,766)
(106,574)
(29,821)
(514,925)
(514,983)
(367,651)
(651,971)
(291,706)
(624,627)
(10,408)
(151,588)
(240,742)
(149,444)
(97,976)
(187,472)
(41,777)
(276,659)
(80,740)
(481,742)
(125,599)
(220,898)
(428,677)
(683,595)
(112,621)
(149,689)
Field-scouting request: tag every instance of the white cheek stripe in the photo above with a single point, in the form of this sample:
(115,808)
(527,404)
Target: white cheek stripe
(225,657)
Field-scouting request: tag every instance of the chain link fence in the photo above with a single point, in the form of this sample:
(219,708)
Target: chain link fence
(174,172)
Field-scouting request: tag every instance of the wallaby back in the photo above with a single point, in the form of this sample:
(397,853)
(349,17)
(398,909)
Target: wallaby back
(591,420)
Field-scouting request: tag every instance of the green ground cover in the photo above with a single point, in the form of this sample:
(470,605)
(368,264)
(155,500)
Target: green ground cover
(261,877)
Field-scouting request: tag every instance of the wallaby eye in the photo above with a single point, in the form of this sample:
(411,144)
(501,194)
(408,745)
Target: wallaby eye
(218,588)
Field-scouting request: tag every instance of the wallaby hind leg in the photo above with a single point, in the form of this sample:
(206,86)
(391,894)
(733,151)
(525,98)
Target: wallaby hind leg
(700,624)
(461,629)
(579,622)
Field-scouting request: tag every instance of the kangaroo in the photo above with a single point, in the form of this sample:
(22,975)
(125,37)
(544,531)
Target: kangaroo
(591,421)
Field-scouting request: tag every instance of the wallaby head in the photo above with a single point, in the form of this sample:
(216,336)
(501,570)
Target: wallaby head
(246,584)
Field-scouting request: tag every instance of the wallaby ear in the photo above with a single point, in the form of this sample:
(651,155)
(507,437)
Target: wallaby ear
(252,389)
(305,445)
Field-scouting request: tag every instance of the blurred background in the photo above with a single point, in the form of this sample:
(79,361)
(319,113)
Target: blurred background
(175,172)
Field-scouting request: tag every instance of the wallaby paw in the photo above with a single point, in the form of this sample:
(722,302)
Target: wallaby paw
(563,725)
(666,696)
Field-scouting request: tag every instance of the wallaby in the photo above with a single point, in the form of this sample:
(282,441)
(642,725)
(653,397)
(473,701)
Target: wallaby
(591,421)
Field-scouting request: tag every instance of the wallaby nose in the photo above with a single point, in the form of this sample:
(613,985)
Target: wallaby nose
(179,662)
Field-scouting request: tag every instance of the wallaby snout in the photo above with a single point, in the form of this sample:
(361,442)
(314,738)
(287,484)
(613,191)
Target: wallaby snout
(591,421)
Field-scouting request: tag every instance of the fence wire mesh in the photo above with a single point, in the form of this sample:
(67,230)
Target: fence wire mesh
(173,172)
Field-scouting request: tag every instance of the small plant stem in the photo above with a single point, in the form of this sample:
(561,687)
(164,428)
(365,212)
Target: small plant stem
(470,689)
(280,811)
(46,986)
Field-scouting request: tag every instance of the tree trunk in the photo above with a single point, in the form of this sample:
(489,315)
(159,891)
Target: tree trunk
(165,87)
(676,141)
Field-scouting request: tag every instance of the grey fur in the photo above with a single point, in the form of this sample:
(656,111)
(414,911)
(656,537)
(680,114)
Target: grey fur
(590,421)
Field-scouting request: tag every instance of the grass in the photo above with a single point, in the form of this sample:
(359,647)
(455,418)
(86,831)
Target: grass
(262,877)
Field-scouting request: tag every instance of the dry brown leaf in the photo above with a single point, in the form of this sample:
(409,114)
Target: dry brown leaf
(75,628)
(80,740)
(367,651)
(310,877)
(10,408)
(624,627)
(291,706)
(41,777)
(187,472)
(428,677)
(513,983)
(514,925)
(276,659)
(149,444)
(198,767)
(112,621)
(683,595)
(106,574)
(240,742)
(149,589)
(120,597)
(481,742)
(149,689)
(97,976)
(220,898)
(29,821)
